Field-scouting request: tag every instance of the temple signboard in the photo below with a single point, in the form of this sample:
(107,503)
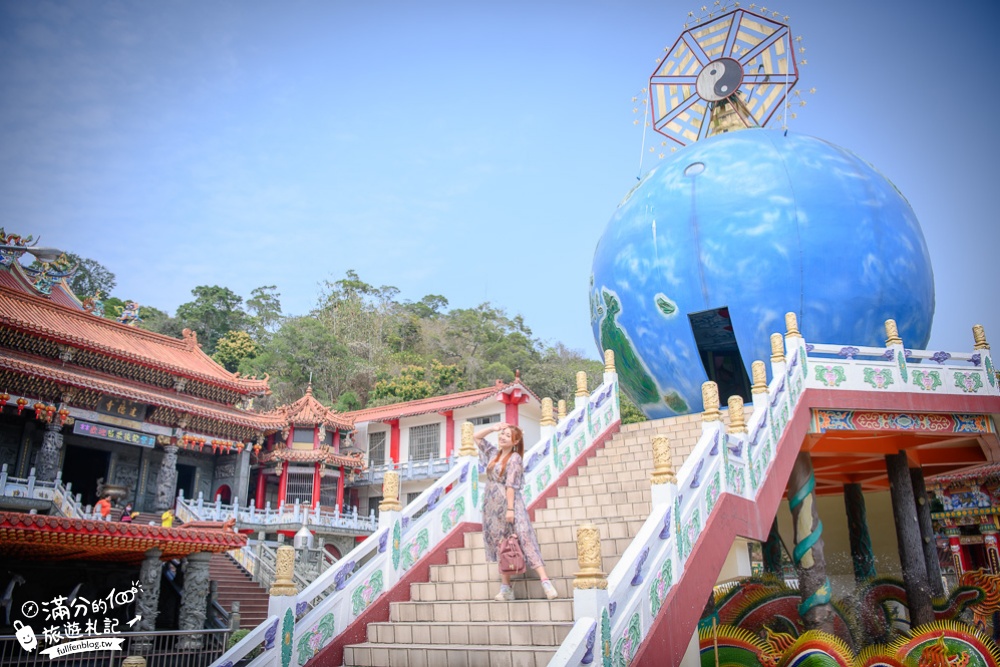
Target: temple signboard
(121,408)
(114,434)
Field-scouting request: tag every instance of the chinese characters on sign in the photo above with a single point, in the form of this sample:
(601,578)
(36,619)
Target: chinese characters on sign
(119,407)
(114,434)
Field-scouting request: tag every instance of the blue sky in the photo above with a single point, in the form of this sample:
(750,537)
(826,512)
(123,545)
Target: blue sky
(471,149)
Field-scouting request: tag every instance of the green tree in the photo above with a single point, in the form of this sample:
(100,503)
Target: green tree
(554,374)
(410,385)
(264,312)
(215,312)
(91,276)
(429,307)
(156,320)
(486,344)
(631,414)
(233,348)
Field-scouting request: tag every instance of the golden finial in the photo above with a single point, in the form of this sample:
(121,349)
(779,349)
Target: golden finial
(561,414)
(609,361)
(581,384)
(737,423)
(710,398)
(777,349)
(979,334)
(663,469)
(468,447)
(792,326)
(588,555)
(390,493)
(759,378)
(547,419)
(892,333)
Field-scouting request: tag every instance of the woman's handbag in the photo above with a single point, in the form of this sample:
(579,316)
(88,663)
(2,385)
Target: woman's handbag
(510,558)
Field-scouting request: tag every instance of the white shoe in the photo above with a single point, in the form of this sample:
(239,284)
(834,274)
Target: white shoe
(550,590)
(506,594)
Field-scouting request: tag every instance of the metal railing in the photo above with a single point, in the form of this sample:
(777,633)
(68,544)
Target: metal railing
(161,649)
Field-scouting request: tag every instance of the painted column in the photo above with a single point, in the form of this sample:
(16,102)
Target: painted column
(48,456)
(927,532)
(194,602)
(911,551)
(547,424)
(282,483)
(862,554)
(336,439)
(989,532)
(147,604)
(166,479)
(582,394)
(449,432)
(772,551)
(958,558)
(340,490)
(316,480)
(810,562)
(394,440)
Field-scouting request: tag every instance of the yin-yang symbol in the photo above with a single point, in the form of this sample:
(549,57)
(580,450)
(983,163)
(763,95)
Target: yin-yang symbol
(719,79)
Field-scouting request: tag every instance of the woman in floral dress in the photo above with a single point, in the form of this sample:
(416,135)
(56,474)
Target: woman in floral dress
(504,504)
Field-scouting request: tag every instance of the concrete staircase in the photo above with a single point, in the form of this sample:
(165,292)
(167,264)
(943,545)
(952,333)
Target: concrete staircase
(453,620)
(236,584)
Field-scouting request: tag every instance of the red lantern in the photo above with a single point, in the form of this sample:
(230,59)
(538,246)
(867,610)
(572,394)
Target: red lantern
(4,397)
(50,412)
(63,416)
(39,410)
(21,402)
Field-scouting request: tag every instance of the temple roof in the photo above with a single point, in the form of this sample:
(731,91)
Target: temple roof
(308,411)
(42,369)
(38,537)
(325,454)
(63,324)
(968,475)
(438,403)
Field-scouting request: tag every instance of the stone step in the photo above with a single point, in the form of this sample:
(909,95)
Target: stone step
(485,589)
(539,633)
(482,611)
(452,655)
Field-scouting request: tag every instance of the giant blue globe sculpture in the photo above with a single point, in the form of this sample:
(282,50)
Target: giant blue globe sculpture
(703,258)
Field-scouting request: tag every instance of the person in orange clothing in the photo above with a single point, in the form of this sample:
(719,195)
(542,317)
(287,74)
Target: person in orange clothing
(103,507)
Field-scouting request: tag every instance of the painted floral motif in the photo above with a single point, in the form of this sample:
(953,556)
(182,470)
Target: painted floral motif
(991,374)
(527,493)
(287,632)
(316,638)
(415,549)
(628,644)
(475,490)
(366,592)
(970,383)
(397,533)
(688,534)
(735,480)
(451,516)
(712,493)
(658,589)
(878,378)
(562,459)
(903,373)
(605,638)
(543,479)
(927,380)
(831,376)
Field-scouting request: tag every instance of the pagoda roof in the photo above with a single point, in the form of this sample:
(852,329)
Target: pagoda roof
(52,538)
(15,278)
(967,475)
(308,411)
(424,406)
(101,383)
(324,453)
(44,318)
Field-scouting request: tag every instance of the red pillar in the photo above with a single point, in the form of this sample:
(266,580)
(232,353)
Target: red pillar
(336,441)
(958,556)
(449,432)
(282,483)
(315,437)
(316,477)
(261,488)
(511,402)
(989,532)
(394,440)
(340,490)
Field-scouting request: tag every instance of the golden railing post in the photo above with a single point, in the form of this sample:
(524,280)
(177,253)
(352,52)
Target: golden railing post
(979,335)
(284,570)
(547,418)
(759,378)
(468,447)
(892,334)
(737,421)
(588,555)
(710,399)
(561,413)
(582,393)
(792,326)
(390,493)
